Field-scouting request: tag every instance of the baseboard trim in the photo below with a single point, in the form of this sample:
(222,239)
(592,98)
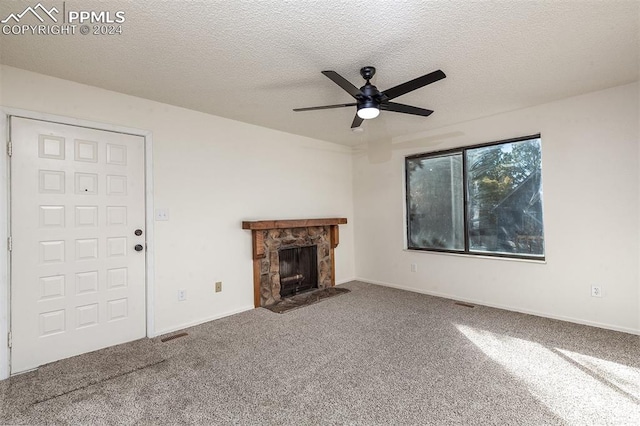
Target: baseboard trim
(202,321)
(507,308)
(346,280)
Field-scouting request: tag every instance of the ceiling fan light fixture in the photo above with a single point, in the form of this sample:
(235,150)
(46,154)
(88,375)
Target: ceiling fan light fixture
(368,110)
(369,100)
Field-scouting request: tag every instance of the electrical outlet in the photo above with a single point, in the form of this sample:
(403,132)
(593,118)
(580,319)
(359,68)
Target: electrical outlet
(414,267)
(218,286)
(596,291)
(182,295)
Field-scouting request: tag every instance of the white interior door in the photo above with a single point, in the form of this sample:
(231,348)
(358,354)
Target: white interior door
(77,205)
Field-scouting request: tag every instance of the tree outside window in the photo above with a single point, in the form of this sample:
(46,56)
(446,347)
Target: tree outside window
(479,200)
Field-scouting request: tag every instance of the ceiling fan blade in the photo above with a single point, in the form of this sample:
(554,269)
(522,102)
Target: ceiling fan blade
(406,109)
(342,82)
(357,121)
(324,107)
(414,84)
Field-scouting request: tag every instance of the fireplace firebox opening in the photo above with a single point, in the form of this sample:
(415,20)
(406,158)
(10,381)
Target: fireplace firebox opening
(298,269)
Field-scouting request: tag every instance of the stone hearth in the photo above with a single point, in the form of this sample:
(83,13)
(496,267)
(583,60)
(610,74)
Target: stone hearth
(270,236)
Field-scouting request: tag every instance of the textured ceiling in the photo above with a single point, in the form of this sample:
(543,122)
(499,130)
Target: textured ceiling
(255,61)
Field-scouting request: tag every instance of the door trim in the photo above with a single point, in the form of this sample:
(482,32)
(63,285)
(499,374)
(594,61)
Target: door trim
(5,219)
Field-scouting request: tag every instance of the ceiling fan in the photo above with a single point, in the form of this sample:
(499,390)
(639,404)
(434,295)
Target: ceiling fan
(369,100)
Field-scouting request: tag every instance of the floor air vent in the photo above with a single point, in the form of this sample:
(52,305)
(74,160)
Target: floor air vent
(466,305)
(175,336)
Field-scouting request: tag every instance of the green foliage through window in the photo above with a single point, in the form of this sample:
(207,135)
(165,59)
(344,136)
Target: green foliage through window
(479,200)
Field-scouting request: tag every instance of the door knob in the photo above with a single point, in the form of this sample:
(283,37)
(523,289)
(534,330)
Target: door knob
(138,232)
(138,247)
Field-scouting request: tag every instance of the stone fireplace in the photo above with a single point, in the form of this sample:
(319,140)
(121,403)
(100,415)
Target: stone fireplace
(276,240)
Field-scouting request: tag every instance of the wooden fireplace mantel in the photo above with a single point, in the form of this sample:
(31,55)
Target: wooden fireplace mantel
(259,227)
(294,223)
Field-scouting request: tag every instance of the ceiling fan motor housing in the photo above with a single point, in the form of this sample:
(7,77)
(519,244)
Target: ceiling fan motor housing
(371,98)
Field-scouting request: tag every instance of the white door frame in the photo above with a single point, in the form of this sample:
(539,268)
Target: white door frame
(5,219)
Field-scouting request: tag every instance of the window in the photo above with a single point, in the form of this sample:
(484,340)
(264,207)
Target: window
(484,199)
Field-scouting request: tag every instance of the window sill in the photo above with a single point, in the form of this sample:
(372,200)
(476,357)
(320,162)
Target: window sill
(478,256)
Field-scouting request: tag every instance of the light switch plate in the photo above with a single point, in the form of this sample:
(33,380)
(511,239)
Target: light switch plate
(162,214)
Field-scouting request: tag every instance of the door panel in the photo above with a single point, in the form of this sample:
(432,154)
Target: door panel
(77,284)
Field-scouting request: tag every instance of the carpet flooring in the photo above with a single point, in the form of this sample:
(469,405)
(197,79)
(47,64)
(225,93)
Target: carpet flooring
(374,356)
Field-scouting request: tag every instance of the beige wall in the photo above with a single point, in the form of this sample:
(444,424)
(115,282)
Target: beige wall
(590,165)
(210,173)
